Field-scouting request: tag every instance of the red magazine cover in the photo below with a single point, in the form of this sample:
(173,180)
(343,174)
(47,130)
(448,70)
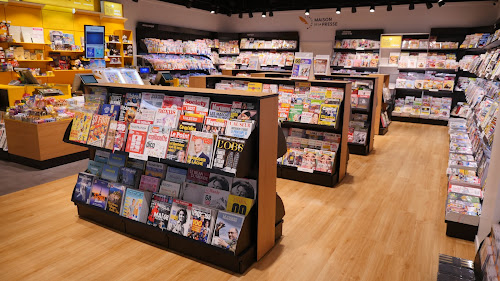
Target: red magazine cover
(136,138)
(121,131)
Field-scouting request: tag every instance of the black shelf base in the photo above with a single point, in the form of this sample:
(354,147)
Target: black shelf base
(383,130)
(49,163)
(358,149)
(317,178)
(420,120)
(460,230)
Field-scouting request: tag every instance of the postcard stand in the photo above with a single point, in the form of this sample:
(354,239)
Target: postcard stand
(262,226)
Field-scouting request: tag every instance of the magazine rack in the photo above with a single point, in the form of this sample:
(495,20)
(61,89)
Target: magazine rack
(287,172)
(355,148)
(262,227)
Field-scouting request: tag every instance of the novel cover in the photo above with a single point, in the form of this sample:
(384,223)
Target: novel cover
(203,220)
(227,230)
(115,198)
(98,130)
(83,187)
(80,127)
(159,211)
(177,146)
(180,217)
(99,193)
(157,141)
(227,153)
(200,149)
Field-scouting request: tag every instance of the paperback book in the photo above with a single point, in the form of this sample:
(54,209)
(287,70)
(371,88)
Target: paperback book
(159,213)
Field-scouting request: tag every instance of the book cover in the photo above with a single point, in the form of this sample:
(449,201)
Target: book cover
(110,173)
(227,229)
(239,205)
(215,198)
(203,220)
(145,116)
(130,176)
(83,187)
(155,169)
(177,146)
(220,182)
(117,160)
(101,156)
(80,127)
(149,183)
(168,117)
(94,168)
(157,141)
(197,176)
(192,193)
(159,213)
(115,198)
(200,149)
(99,193)
(227,153)
(110,137)
(136,139)
(176,175)
(98,130)
(245,188)
(239,129)
(136,205)
(215,126)
(180,217)
(111,110)
(171,189)
(120,136)
(189,123)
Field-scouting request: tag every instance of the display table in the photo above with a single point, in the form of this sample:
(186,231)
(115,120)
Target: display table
(9,94)
(41,145)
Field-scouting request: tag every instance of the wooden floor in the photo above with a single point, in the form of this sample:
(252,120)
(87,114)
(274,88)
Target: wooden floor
(385,221)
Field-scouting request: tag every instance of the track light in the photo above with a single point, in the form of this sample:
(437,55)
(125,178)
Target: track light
(263,14)
(307,12)
(412,6)
(338,11)
(271,13)
(250,14)
(429,5)
(241,15)
(353,10)
(372,9)
(389,7)
(440,3)
(212,11)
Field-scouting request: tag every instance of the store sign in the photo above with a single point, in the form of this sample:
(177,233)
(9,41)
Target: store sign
(391,41)
(112,9)
(311,22)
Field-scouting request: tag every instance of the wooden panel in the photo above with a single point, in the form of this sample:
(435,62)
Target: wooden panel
(80,20)
(50,137)
(268,151)
(2,13)
(375,110)
(197,82)
(258,74)
(6,76)
(22,138)
(228,72)
(24,16)
(379,88)
(344,149)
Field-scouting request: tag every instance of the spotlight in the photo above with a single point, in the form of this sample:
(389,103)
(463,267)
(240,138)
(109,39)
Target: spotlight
(271,13)
(250,14)
(338,11)
(263,14)
(429,5)
(412,6)
(372,9)
(389,7)
(307,12)
(440,3)
(241,15)
(212,11)
(353,10)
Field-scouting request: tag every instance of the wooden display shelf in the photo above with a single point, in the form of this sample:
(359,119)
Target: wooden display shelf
(379,91)
(48,60)
(39,142)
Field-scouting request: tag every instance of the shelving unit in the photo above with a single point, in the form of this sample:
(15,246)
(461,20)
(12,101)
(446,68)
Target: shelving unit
(262,227)
(292,173)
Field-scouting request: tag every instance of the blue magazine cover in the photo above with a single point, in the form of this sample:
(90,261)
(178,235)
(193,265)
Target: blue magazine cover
(83,187)
(176,175)
(94,168)
(115,198)
(117,160)
(227,230)
(112,110)
(99,194)
(110,173)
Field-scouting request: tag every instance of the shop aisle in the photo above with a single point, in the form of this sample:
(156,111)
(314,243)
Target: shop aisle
(385,221)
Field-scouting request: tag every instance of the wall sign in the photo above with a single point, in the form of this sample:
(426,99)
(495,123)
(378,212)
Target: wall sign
(318,21)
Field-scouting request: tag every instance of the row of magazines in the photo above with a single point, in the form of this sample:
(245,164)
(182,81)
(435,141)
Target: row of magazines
(203,206)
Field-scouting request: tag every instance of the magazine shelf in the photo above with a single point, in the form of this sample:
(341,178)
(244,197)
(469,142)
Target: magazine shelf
(261,227)
(342,125)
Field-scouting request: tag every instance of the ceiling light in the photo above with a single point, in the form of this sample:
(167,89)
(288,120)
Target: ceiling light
(372,9)
(307,12)
(429,5)
(412,6)
(353,10)
(241,15)
(263,14)
(271,13)
(440,3)
(212,11)
(250,14)
(338,11)
(389,7)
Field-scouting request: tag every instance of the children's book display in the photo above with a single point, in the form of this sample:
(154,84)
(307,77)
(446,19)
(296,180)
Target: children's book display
(470,151)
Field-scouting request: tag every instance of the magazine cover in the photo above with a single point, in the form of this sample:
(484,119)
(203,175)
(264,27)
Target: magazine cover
(80,127)
(245,188)
(155,169)
(120,136)
(127,114)
(117,160)
(157,141)
(167,117)
(110,173)
(325,161)
(98,130)
(99,193)
(110,137)
(227,229)
(94,168)
(132,99)
(227,153)
(149,183)
(192,193)
(301,68)
(110,110)
(200,149)
(173,102)
(145,116)
(215,126)
(115,198)
(220,182)
(328,114)
(159,211)
(171,189)
(220,110)
(130,176)
(115,99)
(239,129)
(152,101)
(243,111)
(136,205)
(101,156)
(83,187)
(136,139)
(215,198)
(177,175)
(203,220)
(191,122)
(180,217)
(177,146)
(196,105)
(239,205)
(198,177)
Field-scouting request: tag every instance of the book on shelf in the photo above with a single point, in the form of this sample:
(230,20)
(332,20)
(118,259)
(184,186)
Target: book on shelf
(227,229)
(99,193)
(115,197)
(136,205)
(200,149)
(83,187)
(180,217)
(159,213)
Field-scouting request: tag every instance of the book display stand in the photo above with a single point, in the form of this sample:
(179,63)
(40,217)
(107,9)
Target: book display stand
(261,227)
(288,172)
